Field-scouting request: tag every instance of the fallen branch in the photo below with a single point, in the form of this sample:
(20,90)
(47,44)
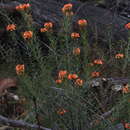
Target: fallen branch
(103,116)
(20,124)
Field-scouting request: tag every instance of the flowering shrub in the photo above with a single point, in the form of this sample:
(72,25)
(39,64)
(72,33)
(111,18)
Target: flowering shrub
(56,85)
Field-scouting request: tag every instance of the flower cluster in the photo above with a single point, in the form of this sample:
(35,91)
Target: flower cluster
(27,34)
(47,27)
(11,27)
(67,9)
(125,89)
(72,76)
(119,56)
(127,26)
(22,7)
(95,74)
(98,62)
(61,111)
(20,69)
(76,51)
(127,125)
(79,82)
(63,74)
(82,23)
(75,35)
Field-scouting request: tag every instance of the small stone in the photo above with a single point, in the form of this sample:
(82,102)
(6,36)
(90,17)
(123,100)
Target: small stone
(117,127)
(117,88)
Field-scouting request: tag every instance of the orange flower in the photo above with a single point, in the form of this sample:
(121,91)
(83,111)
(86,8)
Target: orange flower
(98,62)
(22,6)
(72,76)
(61,111)
(62,74)
(27,34)
(11,27)
(119,56)
(79,82)
(67,8)
(76,51)
(20,69)
(48,25)
(75,35)
(125,89)
(58,81)
(43,30)
(82,22)
(95,74)
(127,125)
(127,26)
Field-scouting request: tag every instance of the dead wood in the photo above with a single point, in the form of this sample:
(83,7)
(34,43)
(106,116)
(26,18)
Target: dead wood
(20,124)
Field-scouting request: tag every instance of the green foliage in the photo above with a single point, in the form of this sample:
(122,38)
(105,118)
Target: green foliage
(67,105)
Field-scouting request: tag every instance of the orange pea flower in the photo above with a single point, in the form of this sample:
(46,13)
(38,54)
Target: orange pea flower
(82,22)
(48,25)
(127,125)
(20,69)
(62,74)
(79,82)
(58,81)
(72,76)
(43,30)
(11,27)
(95,74)
(27,34)
(127,26)
(61,111)
(76,51)
(67,8)
(22,6)
(98,62)
(75,35)
(119,56)
(125,89)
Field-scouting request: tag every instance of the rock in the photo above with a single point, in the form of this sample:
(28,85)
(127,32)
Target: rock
(104,22)
(117,127)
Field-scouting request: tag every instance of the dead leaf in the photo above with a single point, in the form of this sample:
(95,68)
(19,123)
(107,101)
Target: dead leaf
(7,83)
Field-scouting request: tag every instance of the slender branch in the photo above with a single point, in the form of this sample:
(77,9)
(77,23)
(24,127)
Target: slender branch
(20,124)
(35,106)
